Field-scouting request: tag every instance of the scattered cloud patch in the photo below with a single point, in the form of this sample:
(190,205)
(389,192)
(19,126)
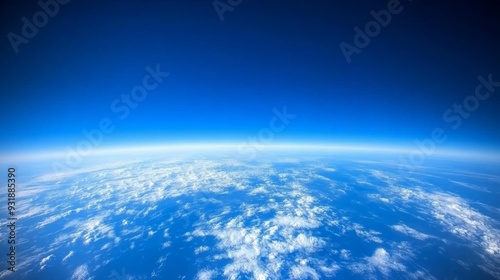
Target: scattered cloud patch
(411,232)
(69,255)
(81,273)
(44,261)
(381,261)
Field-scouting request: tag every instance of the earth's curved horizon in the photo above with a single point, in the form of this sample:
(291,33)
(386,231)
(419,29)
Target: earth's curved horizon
(232,139)
(286,214)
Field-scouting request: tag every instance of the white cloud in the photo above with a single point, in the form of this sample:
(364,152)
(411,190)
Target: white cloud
(411,232)
(259,248)
(206,274)
(166,244)
(381,261)
(68,255)
(44,261)
(201,249)
(303,272)
(457,217)
(81,273)
(368,235)
(345,254)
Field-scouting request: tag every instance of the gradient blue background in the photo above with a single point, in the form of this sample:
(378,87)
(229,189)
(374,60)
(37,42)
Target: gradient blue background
(226,77)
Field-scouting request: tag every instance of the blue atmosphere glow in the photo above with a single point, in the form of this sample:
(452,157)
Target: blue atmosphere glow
(226,77)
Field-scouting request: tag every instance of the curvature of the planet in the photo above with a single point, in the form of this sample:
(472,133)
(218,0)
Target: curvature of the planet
(297,215)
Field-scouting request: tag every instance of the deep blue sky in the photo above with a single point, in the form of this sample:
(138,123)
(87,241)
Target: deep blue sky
(226,77)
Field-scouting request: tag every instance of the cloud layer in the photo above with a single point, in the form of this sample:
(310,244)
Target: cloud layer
(268,219)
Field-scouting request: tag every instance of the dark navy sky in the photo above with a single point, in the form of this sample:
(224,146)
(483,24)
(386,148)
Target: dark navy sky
(227,76)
